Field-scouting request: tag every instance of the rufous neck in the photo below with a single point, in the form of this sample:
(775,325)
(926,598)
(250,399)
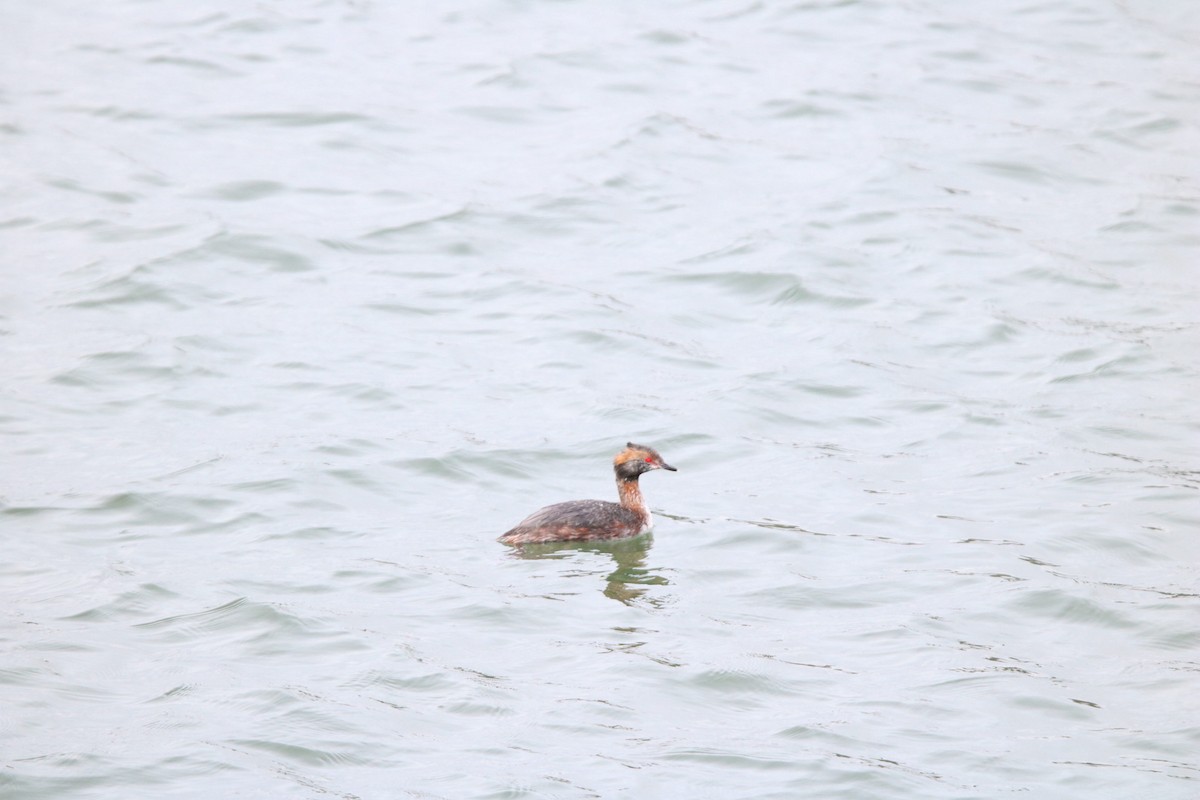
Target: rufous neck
(631,495)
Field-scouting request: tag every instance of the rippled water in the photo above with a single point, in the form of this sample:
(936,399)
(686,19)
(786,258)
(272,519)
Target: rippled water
(305,304)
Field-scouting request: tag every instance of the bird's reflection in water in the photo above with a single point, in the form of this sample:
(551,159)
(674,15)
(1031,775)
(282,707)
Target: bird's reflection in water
(628,582)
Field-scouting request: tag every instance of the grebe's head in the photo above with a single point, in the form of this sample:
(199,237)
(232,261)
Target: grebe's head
(636,459)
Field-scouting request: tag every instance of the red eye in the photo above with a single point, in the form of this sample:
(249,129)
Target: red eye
(649,460)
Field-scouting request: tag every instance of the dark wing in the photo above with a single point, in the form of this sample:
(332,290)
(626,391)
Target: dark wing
(574,519)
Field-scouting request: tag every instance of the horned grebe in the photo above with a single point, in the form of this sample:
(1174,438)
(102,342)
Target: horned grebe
(579,520)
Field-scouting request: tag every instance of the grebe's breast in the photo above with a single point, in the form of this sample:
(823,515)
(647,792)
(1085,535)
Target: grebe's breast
(578,519)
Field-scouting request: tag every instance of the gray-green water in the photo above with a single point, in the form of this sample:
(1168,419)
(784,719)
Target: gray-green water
(304,304)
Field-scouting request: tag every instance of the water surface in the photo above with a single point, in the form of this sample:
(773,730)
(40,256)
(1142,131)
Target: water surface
(303,306)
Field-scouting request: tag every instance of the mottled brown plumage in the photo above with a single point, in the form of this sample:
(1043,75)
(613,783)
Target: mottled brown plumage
(586,520)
